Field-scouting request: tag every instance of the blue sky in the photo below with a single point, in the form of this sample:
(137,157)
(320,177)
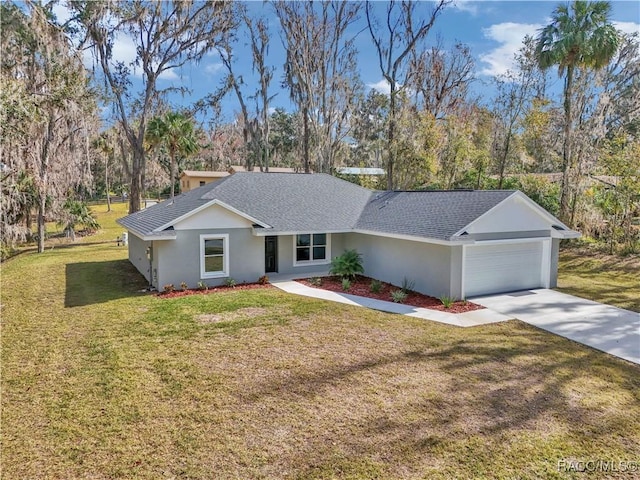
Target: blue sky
(493,30)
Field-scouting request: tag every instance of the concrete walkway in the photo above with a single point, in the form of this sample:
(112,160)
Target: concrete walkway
(468,319)
(610,329)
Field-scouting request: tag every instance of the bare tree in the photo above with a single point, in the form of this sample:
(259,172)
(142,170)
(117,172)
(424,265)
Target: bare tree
(514,93)
(395,37)
(167,35)
(441,78)
(255,124)
(320,73)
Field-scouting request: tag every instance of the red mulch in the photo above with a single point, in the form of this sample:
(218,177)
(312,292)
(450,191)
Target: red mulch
(184,293)
(360,286)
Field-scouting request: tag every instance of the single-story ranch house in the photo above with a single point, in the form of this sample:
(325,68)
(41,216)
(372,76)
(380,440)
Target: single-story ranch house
(457,243)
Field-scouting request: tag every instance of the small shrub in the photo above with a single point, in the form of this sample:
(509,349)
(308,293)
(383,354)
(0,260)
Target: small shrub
(315,281)
(347,265)
(398,296)
(263,280)
(447,301)
(376,286)
(230,282)
(168,288)
(202,285)
(346,284)
(184,286)
(407,285)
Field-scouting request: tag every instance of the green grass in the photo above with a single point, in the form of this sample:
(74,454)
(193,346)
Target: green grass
(591,274)
(100,380)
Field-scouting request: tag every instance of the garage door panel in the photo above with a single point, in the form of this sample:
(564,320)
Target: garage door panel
(503,267)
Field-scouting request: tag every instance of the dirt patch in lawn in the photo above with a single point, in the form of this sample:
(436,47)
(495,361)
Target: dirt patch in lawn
(191,291)
(361,286)
(230,316)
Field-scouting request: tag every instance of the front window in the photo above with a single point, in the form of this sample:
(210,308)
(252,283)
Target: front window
(312,248)
(214,256)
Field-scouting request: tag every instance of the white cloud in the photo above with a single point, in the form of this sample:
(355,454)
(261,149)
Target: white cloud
(169,75)
(62,12)
(627,27)
(124,50)
(213,68)
(510,36)
(382,86)
(468,6)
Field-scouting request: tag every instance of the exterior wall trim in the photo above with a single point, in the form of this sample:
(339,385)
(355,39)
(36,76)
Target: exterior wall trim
(209,204)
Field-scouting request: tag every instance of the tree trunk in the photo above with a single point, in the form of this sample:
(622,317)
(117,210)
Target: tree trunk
(565,193)
(391,138)
(136,179)
(305,140)
(106,183)
(172,174)
(42,205)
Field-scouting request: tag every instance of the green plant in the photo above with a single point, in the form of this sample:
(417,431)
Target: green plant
(407,285)
(74,213)
(447,301)
(376,286)
(399,296)
(184,286)
(202,285)
(346,284)
(230,282)
(263,280)
(168,288)
(347,265)
(315,281)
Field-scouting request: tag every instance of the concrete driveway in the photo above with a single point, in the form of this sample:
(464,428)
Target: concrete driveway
(610,329)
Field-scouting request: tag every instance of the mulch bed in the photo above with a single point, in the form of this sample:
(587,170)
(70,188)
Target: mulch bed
(361,287)
(190,291)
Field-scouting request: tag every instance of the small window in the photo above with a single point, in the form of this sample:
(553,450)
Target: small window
(214,256)
(311,248)
(202,183)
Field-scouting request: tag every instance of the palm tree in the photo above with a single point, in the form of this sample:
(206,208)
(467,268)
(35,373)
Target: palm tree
(76,212)
(175,133)
(580,35)
(105,147)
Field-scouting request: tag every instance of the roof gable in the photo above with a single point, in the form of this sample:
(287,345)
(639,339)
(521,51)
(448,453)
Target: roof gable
(214,215)
(429,214)
(517,213)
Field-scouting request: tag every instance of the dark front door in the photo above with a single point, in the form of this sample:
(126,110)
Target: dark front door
(270,254)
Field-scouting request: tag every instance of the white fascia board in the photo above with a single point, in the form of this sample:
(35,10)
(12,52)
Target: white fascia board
(171,235)
(415,239)
(207,205)
(533,206)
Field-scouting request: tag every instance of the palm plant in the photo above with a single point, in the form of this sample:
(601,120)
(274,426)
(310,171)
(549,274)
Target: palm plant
(580,35)
(76,212)
(175,133)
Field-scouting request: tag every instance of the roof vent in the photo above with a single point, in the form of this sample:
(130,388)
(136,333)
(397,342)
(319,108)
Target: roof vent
(558,227)
(464,233)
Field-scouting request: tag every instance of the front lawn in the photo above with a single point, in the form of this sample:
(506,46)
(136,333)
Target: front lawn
(100,380)
(591,274)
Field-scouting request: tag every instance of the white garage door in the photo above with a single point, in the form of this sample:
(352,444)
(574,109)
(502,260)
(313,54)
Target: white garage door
(504,267)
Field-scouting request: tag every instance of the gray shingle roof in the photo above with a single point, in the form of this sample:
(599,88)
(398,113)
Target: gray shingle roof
(430,214)
(321,203)
(287,202)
